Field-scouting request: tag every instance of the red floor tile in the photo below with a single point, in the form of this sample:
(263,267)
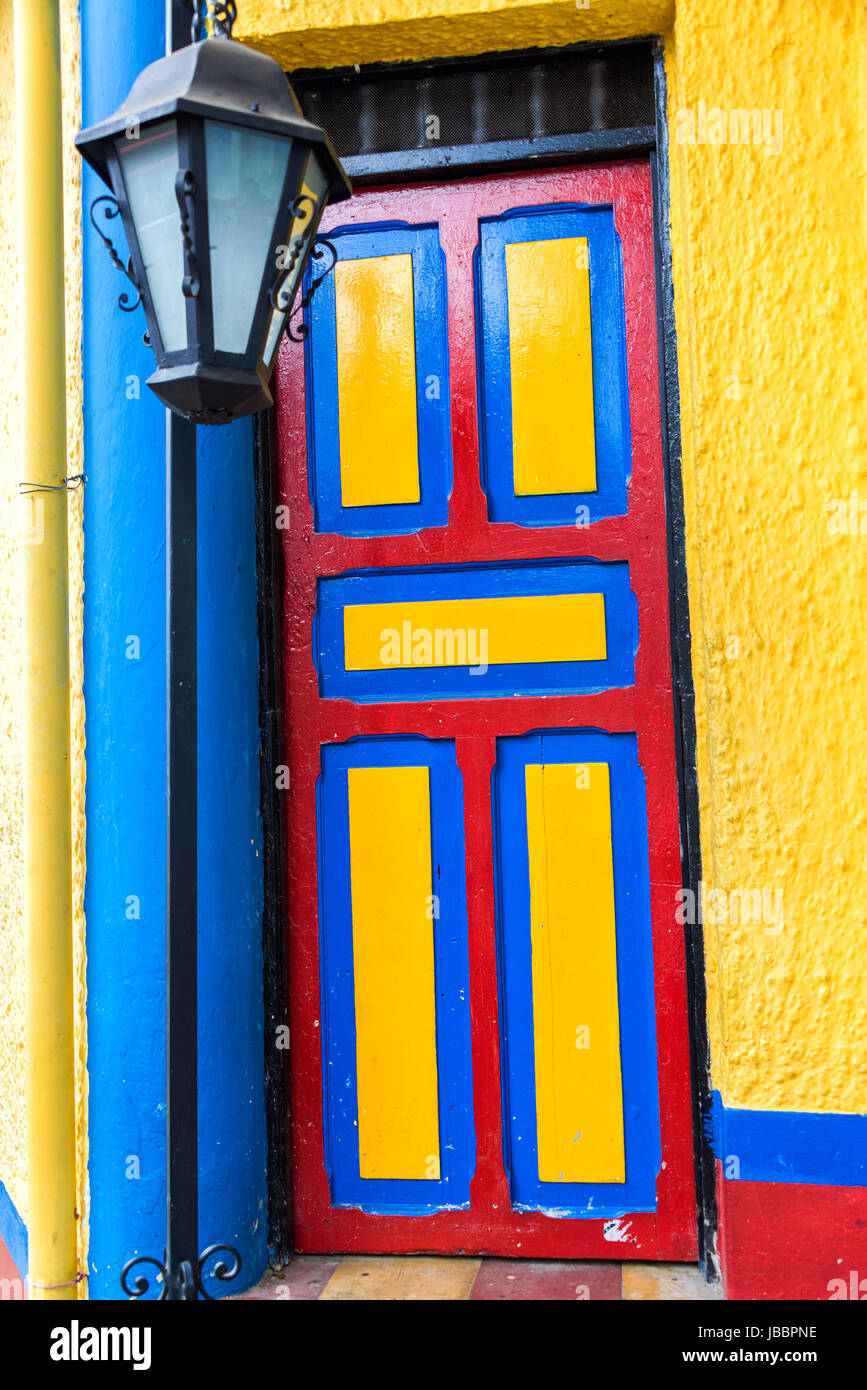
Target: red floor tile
(301,1281)
(541,1280)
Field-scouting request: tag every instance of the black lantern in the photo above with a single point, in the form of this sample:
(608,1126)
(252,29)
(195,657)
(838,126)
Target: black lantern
(221,183)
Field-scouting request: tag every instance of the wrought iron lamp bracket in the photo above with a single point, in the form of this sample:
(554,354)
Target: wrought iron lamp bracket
(294,251)
(112,210)
(321,247)
(185,192)
(296,248)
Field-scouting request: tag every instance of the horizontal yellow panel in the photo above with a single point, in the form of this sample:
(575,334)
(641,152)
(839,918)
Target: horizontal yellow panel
(376,383)
(579,1101)
(475,631)
(395,999)
(551,363)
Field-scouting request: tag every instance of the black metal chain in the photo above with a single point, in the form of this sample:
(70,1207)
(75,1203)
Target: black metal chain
(220,13)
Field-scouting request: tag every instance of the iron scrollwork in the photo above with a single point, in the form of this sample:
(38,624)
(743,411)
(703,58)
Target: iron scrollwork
(303,207)
(222,1271)
(294,250)
(190,1277)
(185,192)
(142,1284)
(322,247)
(110,210)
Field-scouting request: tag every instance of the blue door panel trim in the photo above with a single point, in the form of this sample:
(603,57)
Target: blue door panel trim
(608,339)
(477,581)
(451,973)
(431,360)
(634,975)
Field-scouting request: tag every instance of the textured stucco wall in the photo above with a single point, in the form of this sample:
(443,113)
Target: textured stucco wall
(769,265)
(12,470)
(338,33)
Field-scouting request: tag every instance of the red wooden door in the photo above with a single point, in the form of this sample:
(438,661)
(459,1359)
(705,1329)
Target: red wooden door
(488,1006)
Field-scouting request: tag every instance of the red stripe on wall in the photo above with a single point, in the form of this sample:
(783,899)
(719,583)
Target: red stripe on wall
(792,1240)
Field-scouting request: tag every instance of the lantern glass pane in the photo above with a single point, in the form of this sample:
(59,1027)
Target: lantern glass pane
(245,172)
(276,324)
(313,187)
(310,195)
(149,165)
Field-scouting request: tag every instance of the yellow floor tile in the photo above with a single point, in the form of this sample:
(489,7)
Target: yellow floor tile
(664,1282)
(405,1277)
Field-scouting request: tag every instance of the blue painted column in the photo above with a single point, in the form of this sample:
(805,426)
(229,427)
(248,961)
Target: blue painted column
(124,690)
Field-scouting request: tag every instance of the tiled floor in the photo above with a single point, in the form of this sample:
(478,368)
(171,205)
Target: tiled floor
(345,1278)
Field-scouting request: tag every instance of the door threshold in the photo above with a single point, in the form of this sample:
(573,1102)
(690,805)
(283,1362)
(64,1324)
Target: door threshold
(426,1278)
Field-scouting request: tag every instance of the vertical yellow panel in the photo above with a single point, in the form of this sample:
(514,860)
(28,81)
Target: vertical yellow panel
(376,385)
(553,444)
(579,1102)
(395,1002)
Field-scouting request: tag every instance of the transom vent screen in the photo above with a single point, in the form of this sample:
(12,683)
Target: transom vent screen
(416,106)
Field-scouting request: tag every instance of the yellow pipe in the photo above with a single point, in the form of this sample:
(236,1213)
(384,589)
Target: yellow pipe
(46,840)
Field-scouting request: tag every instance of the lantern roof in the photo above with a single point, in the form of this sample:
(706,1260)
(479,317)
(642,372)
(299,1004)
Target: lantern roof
(222,80)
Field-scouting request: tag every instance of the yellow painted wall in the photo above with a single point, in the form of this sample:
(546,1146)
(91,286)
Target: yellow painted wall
(337,33)
(12,470)
(770,262)
(769,265)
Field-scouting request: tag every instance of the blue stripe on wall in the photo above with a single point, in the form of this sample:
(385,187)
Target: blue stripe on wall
(13,1232)
(124,687)
(790,1146)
